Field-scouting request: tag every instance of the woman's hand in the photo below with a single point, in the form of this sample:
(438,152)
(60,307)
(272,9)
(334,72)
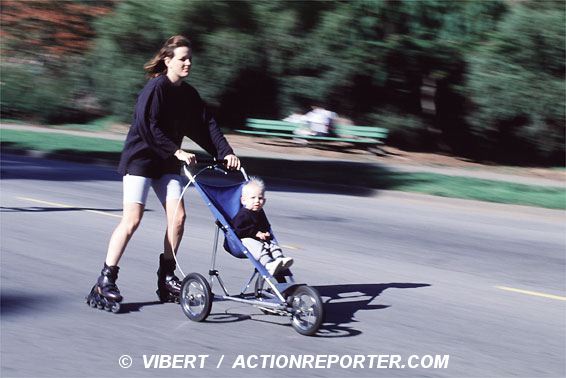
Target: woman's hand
(187,157)
(232,162)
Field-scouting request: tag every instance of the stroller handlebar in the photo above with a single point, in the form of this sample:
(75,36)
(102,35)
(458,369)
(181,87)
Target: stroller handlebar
(209,161)
(211,164)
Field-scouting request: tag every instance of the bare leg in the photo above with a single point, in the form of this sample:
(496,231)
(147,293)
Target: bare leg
(169,285)
(131,219)
(175,227)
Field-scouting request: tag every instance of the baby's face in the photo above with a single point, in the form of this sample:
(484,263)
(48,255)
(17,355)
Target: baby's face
(253,198)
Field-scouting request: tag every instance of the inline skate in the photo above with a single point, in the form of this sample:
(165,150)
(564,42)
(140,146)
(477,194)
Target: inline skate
(105,295)
(168,284)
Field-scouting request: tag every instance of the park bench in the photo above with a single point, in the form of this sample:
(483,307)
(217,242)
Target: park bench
(370,137)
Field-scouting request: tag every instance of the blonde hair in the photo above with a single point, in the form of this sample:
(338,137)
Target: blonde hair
(156,66)
(254,180)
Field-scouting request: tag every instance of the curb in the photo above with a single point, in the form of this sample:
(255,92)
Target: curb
(251,153)
(313,186)
(60,156)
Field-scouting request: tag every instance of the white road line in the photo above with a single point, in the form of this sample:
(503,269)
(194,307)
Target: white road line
(68,206)
(533,293)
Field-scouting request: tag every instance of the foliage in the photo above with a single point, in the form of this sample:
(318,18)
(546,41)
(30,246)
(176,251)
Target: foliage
(516,83)
(49,29)
(405,130)
(22,96)
(497,76)
(43,74)
(126,40)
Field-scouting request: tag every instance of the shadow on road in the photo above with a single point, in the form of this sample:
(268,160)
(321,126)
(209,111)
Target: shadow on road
(39,209)
(18,304)
(126,308)
(341,302)
(227,317)
(310,176)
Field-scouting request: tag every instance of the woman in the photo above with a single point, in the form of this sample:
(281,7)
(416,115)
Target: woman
(167,109)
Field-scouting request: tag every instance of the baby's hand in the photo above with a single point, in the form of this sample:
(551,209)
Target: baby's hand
(262,235)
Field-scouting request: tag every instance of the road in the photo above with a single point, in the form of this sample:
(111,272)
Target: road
(400,276)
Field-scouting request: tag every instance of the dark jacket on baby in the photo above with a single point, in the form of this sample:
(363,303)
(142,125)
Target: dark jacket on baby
(248,223)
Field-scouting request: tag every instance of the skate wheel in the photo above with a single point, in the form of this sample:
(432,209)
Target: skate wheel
(90,299)
(115,308)
(167,298)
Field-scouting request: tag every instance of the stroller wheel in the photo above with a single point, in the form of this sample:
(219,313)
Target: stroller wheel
(307,311)
(196,297)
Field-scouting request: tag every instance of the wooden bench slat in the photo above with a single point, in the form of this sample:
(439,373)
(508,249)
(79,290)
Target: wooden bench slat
(272,127)
(361,134)
(253,121)
(311,137)
(360,128)
(368,135)
(361,131)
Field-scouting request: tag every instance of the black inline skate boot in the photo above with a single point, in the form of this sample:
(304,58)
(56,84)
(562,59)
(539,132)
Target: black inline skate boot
(105,295)
(168,284)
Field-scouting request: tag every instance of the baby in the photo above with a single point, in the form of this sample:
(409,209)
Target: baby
(252,227)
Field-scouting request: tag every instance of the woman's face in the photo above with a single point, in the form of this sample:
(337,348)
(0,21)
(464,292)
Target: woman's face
(179,66)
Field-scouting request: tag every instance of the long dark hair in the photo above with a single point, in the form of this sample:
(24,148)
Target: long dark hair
(156,66)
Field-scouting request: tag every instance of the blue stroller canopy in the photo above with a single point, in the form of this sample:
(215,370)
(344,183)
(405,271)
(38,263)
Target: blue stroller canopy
(226,200)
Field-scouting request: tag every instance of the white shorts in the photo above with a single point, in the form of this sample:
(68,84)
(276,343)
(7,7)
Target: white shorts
(136,188)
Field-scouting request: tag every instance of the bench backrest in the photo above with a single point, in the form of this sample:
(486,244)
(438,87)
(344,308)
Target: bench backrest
(340,129)
(268,124)
(361,131)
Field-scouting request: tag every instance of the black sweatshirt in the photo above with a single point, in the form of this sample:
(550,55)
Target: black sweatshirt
(247,223)
(163,115)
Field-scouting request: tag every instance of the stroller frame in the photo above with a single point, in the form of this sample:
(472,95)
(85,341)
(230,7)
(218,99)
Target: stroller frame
(279,294)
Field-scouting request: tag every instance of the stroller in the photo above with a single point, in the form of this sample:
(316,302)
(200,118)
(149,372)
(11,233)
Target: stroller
(277,295)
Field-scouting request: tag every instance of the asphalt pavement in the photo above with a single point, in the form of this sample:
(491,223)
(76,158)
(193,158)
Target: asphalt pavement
(407,282)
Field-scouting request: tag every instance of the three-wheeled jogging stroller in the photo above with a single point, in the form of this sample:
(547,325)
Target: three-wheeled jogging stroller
(278,295)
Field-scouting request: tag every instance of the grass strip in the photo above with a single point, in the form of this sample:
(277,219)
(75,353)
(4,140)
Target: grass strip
(480,189)
(57,142)
(327,172)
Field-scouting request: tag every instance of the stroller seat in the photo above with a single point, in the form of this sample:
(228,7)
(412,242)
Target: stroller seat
(226,200)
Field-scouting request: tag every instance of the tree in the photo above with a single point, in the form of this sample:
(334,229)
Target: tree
(516,85)
(371,60)
(42,47)
(456,74)
(49,29)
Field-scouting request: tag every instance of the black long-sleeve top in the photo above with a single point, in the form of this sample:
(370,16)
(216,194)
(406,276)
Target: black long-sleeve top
(163,115)
(248,223)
